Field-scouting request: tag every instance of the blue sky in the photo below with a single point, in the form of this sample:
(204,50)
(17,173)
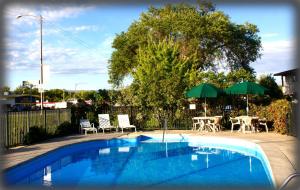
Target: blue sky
(77,41)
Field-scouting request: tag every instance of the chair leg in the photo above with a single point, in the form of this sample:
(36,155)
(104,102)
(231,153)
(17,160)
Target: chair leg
(253,128)
(213,128)
(243,128)
(267,130)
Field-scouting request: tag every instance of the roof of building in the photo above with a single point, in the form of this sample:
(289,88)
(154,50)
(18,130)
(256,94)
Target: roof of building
(288,72)
(18,95)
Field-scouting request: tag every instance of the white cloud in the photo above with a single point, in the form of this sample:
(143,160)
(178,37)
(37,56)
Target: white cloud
(61,59)
(85,28)
(14,54)
(105,47)
(59,12)
(49,13)
(269,35)
(10,44)
(276,56)
(108,41)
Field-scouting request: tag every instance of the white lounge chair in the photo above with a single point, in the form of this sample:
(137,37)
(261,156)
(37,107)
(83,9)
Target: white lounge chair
(104,122)
(86,126)
(124,123)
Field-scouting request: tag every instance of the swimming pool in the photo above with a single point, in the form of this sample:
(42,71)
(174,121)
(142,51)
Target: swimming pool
(146,161)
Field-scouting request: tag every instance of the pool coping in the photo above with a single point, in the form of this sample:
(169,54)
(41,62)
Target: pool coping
(277,148)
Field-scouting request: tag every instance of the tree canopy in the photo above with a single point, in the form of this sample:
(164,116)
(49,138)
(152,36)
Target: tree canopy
(269,82)
(204,35)
(159,79)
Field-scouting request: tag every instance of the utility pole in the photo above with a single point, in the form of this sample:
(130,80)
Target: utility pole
(76,84)
(41,39)
(42,81)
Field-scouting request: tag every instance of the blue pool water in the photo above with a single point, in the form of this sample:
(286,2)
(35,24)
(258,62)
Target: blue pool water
(145,162)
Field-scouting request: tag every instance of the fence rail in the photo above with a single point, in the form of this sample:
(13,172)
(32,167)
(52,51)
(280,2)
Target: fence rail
(15,125)
(147,120)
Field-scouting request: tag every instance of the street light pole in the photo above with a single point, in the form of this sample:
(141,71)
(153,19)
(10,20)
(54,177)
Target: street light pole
(76,84)
(42,81)
(41,39)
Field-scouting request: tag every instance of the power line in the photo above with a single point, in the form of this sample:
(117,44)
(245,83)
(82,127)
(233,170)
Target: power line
(72,37)
(67,34)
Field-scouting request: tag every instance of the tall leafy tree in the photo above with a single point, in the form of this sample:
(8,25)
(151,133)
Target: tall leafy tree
(239,75)
(269,82)
(54,95)
(204,35)
(160,77)
(26,90)
(4,89)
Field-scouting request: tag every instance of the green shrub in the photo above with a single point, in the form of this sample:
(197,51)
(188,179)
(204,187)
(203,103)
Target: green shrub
(114,120)
(66,128)
(275,113)
(35,134)
(152,123)
(92,117)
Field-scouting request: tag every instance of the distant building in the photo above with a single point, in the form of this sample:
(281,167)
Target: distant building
(53,105)
(27,102)
(72,101)
(288,81)
(18,102)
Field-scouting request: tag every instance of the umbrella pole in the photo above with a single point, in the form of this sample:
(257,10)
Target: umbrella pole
(165,129)
(205,107)
(247,109)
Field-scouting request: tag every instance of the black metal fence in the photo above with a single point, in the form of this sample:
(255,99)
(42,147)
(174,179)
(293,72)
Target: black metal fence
(147,119)
(15,125)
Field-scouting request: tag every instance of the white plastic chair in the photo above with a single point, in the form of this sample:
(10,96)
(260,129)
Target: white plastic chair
(104,122)
(86,126)
(215,123)
(210,125)
(263,122)
(124,123)
(196,122)
(234,121)
(201,125)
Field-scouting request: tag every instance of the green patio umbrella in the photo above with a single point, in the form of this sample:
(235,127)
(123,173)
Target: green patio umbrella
(246,88)
(204,90)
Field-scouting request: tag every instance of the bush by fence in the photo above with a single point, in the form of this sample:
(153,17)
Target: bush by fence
(15,125)
(147,119)
(281,113)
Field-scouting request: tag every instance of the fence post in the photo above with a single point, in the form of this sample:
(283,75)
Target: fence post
(7,129)
(28,122)
(58,117)
(45,120)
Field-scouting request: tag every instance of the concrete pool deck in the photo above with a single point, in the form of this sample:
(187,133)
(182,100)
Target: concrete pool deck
(281,150)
